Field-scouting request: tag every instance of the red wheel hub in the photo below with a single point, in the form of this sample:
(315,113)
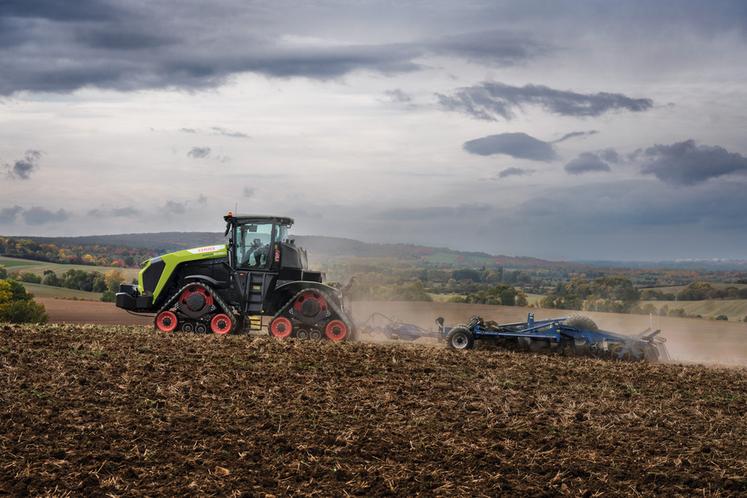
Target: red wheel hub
(196,298)
(221,324)
(166,321)
(281,327)
(310,304)
(336,330)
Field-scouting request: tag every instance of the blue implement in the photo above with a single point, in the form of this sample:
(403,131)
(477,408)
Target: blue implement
(576,335)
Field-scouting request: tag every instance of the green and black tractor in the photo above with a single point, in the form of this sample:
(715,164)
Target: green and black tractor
(228,288)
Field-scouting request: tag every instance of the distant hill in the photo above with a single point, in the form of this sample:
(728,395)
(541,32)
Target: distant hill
(323,248)
(319,247)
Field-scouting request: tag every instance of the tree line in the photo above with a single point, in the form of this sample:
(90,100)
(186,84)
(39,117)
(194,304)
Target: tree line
(90,254)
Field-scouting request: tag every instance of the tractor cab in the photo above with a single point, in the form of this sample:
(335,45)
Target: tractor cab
(254,241)
(260,244)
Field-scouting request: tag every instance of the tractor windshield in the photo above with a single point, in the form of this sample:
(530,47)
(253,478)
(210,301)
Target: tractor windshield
(254,244)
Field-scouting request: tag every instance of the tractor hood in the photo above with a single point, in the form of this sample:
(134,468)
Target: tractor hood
(156,271)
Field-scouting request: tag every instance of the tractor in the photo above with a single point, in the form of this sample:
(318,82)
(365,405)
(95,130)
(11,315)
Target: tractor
(229,288)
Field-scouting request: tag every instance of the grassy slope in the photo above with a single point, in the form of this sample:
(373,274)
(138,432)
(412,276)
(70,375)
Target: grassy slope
(38,267)
(534,299)
(60,292)
(735,309)
(678,288)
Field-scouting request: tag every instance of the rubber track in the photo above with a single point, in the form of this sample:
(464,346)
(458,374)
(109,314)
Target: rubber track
(222,305)
(336,309)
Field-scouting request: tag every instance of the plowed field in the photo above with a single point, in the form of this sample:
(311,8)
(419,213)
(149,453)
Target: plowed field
(122,411)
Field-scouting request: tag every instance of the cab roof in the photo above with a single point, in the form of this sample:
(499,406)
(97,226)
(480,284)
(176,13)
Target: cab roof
(257,218)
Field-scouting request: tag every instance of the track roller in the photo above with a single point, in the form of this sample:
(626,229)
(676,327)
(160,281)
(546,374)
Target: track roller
(336,330)
(221,324)
(166,321)
(280,327)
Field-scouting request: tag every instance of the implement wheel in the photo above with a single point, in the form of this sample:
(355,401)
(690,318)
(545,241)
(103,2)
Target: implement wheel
(460,338)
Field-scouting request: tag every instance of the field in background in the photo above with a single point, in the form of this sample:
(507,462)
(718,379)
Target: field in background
(38,267)
(735,309)
(534,299)
(677,288)
(47,291)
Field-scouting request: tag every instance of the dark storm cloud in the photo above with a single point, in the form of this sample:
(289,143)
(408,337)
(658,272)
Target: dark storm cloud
(63,46)
(515,172)
(493,101)
(41,216)
(120,212)
(8,215)
(54,10)
(519,145)
(199,152)
(587,162)
(23,168)
(686,163)
(121,37)
(56,56)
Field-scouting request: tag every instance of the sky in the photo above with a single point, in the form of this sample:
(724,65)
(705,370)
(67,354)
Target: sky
(563,130)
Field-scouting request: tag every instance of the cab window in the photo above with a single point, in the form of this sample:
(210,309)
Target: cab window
(254,245)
